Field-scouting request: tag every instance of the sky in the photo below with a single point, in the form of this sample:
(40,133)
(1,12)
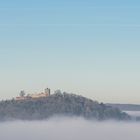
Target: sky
(87,47)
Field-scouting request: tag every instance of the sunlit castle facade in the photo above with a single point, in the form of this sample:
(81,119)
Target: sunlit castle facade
(46,93)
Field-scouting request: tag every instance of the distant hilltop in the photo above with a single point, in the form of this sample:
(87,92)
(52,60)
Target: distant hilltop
(23,96)
(34,107)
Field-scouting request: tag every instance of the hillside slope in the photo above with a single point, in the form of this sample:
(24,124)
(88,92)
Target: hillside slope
(58,104)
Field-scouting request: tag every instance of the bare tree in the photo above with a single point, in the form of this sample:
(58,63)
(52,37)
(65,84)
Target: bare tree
(22,93)
(57,92)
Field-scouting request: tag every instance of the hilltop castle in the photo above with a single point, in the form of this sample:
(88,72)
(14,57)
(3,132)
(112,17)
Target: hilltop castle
(44,94)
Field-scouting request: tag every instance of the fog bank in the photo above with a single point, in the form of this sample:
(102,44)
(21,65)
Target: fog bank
(69,129)
(133,113)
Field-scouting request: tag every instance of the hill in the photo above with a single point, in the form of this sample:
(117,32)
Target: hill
(58,104)
(126,107)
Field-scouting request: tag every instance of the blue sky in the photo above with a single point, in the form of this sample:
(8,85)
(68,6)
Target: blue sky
(87,47)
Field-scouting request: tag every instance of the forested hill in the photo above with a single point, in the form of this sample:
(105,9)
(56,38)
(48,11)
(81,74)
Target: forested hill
(58,104)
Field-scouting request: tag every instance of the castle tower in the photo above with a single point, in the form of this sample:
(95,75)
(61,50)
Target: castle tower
(47,91)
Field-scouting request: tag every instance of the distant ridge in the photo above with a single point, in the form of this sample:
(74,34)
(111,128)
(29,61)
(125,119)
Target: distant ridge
(126,107)
(59,104)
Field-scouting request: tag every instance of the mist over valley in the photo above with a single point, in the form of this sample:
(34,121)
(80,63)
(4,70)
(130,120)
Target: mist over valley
(69,128)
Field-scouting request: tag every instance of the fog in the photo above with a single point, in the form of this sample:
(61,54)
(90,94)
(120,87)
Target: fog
(69,129)
(133,113)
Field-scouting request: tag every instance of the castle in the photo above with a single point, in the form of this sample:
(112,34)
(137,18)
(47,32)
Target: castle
(44,94)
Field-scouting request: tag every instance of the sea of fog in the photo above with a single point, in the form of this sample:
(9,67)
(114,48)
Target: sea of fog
(69,129)
(133,113)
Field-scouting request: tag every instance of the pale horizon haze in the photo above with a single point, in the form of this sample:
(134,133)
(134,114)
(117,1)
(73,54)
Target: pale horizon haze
(86,47)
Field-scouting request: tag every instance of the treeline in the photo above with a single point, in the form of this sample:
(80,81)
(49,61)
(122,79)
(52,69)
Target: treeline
(58,104)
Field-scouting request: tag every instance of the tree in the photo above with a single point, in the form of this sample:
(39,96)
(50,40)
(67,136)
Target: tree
(22,93)
(58,92)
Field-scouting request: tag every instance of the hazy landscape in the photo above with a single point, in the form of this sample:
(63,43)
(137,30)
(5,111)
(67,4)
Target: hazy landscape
(69,119)
(58,104)
(69,69)
(69,129)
